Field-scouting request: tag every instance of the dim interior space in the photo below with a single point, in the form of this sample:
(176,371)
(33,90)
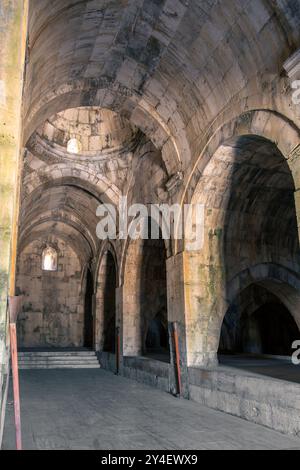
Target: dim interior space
(112,112)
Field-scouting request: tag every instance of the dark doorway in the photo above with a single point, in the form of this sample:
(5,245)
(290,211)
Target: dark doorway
(88,311)
(270,330)
(110,305)
(157,335)
(154,305)
(276,328)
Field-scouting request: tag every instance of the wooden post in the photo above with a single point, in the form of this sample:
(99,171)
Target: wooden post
(15,304)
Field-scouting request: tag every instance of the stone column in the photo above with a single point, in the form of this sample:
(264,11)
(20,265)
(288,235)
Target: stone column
(13,28)
(204,293)
(131,301)
(99,307)
(131,324)
(196,301)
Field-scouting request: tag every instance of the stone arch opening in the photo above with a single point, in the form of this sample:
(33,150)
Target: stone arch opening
(145,310)
(88,310)
(260,222)
(110,285)
(248,192)
(53,309)
(106,304)
(258,323)
(153,297)
(260,226)
(49,259)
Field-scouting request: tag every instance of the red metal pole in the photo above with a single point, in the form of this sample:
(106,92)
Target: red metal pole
(16,387)
(15,304)
(118,351)
(177,356)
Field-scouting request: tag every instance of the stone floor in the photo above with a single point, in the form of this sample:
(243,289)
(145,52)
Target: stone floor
(91,409)
(275,368)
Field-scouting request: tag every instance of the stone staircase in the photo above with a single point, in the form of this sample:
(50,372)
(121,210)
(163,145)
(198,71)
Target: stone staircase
(58,359)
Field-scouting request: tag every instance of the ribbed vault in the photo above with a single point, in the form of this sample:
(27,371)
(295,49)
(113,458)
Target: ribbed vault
(169,66)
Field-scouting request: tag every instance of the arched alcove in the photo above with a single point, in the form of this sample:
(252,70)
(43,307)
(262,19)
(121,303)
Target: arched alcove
(145,310)
(49,259)
(153,296)
(53,307)
(248,192)
(257,322)
(88,310)
(106,314)
(110,284)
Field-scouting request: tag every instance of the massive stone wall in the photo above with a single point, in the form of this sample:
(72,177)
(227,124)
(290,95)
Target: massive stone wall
(13,21)
(195,78)
(53,311)
(177,85)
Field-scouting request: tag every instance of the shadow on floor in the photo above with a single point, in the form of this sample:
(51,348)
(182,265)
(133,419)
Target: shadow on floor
(282,369)
(95,410)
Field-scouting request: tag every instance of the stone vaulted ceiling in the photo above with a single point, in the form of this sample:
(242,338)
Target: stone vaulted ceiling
(174,70)
(98,131)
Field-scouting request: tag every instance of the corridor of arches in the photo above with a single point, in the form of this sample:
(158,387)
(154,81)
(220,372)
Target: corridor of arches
(168,103)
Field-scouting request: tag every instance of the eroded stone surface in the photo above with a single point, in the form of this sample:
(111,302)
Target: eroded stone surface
(175,102)
(95,410)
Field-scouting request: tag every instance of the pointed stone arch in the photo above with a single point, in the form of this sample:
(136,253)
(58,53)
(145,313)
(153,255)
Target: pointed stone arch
(107,267)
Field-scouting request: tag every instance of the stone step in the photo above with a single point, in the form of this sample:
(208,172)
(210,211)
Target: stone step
(59,366)
(45,358)
(77,361)
(33,363)
(58,360)
(56,354)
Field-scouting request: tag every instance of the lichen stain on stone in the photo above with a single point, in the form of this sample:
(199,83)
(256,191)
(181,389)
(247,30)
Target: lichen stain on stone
(3,283)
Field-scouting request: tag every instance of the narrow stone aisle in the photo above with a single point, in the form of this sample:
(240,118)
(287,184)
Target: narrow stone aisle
(95,410)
